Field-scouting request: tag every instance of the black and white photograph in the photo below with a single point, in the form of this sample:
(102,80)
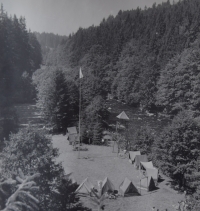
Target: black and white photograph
(99,105)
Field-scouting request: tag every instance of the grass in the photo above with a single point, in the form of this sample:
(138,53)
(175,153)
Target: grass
(101,163)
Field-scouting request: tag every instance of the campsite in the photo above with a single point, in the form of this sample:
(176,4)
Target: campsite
(103,116)
(99,162)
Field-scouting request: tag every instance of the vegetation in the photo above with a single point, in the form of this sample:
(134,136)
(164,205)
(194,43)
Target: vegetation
(57,97)
(31,150)
(127,55)
(143,141)
(18,193)
(147,58)
(48,42)
(20,56)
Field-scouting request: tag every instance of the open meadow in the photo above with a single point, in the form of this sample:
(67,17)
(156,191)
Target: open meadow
(100,162)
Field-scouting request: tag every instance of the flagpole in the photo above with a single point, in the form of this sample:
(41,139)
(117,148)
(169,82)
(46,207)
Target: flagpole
(79,114)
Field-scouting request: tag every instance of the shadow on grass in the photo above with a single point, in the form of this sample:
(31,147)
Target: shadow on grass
(143,193)
(80,207)
(91,156)
(160,179)
(131,195)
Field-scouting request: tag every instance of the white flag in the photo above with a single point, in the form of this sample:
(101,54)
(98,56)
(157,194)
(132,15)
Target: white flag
(80,74)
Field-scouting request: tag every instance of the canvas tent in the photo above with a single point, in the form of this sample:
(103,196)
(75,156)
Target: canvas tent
(152,172)
(145,165)
(132,155)
(127,188)
(107,185)
(72,130)
(147,183)
(73,138)
(86,187)
(138,159)
(107,137)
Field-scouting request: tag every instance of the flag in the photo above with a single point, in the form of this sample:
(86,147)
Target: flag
(80,74)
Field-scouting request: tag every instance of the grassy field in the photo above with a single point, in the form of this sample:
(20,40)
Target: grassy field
(101,163)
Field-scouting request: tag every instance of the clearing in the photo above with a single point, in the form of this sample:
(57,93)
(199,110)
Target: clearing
(99,162)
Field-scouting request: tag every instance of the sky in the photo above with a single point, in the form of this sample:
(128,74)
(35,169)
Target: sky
(66,16)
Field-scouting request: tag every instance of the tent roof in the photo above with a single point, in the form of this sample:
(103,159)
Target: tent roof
(147,164)
(123,116)
(153,172)
(85,187)
(107,137)
(72,130)
(105,132)
(107,185)
(139,158)
(127,187)
(132,154)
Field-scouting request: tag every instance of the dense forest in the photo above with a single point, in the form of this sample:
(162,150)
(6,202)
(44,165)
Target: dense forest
(20,57)
(48,42)
(130,54)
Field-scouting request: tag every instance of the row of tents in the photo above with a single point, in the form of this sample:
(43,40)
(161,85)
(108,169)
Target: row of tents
(141,162)
(126,188)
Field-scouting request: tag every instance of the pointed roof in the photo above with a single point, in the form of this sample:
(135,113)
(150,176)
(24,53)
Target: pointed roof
(107,137)
(123,116)
(85,187)
(127,187)
(72,130)
(132,154)
(139,158)
(107,185)
(153,172)
(146,165)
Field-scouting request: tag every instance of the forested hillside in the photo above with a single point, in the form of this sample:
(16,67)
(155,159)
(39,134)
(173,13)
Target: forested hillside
(127,55)
(20,57)
(48,42)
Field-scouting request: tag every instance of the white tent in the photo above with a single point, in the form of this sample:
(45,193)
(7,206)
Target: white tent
(72,130)
(132,155)
(128,188)
(145,165)
(86,187)
(107,185)
(147,183)
(152,172)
